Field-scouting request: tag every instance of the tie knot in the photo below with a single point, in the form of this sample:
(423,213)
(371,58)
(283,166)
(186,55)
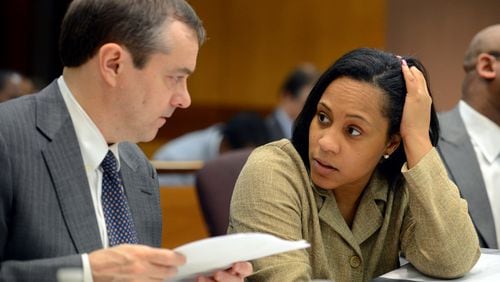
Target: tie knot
(109,163)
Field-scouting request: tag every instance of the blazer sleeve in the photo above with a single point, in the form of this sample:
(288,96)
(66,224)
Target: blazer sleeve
(266,199)
(438,236)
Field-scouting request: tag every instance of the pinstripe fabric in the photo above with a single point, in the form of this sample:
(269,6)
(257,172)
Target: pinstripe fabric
(46,212)
(425,219)
(460,159)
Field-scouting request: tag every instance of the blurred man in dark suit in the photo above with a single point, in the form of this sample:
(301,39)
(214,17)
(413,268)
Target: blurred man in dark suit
(293,94)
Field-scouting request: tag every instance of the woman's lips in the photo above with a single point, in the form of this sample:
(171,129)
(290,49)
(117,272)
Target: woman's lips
(323,168)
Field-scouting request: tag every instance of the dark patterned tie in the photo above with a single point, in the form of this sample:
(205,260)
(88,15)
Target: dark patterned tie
(119,222)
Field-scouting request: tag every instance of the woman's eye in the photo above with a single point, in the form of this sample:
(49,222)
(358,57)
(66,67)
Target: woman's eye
(323,118)
(353,131)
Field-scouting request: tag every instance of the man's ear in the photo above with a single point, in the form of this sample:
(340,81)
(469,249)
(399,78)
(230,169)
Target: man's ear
(111,56)
(485,66)
(394,143)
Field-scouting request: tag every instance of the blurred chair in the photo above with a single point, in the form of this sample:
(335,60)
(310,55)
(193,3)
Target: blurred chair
(214,185)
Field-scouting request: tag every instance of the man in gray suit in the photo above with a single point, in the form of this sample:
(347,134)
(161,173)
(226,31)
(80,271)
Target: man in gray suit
(470,139)
(126,64)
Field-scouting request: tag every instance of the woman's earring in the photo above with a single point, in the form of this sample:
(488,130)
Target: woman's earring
(386,156)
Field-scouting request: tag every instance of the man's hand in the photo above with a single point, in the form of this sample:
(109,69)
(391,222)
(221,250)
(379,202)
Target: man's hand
(237,273)
(135,263)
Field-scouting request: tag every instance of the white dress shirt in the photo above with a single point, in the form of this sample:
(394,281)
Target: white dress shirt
(485,138)
(94,148)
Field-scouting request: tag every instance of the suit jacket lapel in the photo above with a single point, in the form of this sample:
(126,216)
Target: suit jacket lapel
(65,164)
(139,190)
(460,158)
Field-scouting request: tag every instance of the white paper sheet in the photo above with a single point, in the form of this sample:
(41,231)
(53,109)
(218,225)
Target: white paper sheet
(220,252)
(486,269)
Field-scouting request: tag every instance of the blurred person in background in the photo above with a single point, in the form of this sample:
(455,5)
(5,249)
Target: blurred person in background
(244,130)
(470,139)
(292,95)
(13,85)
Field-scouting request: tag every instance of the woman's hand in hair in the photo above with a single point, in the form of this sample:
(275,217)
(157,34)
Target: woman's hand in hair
(416,115)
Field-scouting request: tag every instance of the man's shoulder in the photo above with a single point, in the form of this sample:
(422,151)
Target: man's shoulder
(132,154)
(8,109)
(451,126)
(16,115)
(449,116)
(131,150)
(26,105)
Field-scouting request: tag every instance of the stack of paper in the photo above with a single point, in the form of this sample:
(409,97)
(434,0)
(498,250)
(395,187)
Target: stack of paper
(486,269)
(207,255)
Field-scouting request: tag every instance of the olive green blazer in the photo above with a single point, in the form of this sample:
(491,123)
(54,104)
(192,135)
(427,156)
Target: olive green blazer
(425,219)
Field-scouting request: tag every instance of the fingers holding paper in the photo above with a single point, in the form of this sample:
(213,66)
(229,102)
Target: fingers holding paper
(236,273)
(134,263)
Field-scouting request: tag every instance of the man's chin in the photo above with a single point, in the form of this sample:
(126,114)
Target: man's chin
(145,137)
(149,137)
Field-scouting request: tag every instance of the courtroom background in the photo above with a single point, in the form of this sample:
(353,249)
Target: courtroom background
(253,44)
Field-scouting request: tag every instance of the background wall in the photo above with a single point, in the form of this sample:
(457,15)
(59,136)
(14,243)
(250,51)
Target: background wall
(29,31)
(438,33)
(253,44)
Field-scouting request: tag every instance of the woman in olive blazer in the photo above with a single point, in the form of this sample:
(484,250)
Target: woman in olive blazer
(360,180)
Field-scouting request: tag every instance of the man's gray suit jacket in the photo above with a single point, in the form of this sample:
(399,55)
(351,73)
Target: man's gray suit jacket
(463,168)
(47,217)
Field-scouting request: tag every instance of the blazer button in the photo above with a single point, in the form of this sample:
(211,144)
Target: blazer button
(355,261)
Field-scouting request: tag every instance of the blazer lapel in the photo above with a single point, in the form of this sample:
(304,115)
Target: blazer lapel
(369,217)
(460,158)
(65,164)
(330,215)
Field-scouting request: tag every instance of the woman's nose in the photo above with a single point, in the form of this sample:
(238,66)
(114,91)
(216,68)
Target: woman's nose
(330,142)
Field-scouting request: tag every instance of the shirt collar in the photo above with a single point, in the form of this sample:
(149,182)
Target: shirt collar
(93,146)
(483,132)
